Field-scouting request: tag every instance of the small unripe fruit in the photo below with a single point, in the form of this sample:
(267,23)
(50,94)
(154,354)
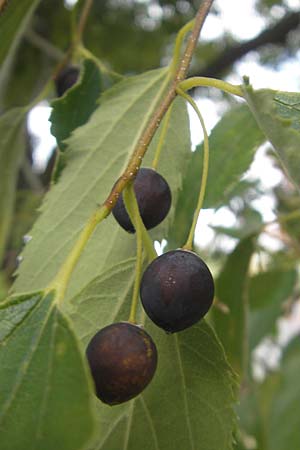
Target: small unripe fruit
(66,79)
(153,196)
(177,290)
(123,360)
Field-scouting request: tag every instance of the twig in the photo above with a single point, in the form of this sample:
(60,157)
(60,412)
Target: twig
(41,43)
(83,18)
(144,141)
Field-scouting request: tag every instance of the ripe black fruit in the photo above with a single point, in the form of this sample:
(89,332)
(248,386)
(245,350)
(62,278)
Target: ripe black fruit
(123,360)
(153,197)
(177,290)
(66,79)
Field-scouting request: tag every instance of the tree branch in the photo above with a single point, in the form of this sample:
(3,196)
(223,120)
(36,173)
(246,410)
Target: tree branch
(276,34)
(136,159)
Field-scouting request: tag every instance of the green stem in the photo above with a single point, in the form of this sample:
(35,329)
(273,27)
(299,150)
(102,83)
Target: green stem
(193,82)
(133,211)
(60,282)
(189,243)
(178,44)
(162,138)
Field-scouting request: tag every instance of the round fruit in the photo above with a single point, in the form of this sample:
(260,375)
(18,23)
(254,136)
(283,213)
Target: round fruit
(153,197)
(123,360)
(66,79)
(177,290)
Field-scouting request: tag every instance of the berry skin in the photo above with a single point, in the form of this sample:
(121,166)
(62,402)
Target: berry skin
(123,360)
(153,197)
(65,79)
(177,290)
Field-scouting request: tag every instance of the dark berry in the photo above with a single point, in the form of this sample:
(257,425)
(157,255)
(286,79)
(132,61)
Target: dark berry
(123,360)
(65,79)
(177,290)
(153,197)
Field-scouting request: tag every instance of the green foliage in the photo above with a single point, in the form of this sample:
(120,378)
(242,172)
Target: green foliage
(277,113)
(267,293)
(76,106)
(231,289)
(47,399)
(190,399)
(45,385)
(235,131)
(12,148)
(97,154)
(13,21)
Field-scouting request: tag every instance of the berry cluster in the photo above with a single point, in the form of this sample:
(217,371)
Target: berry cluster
(176,291)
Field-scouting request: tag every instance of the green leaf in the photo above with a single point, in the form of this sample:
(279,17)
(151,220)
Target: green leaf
(13,22)
(231,289)
(267,293)
(285,408)
(188,404)
(75,107)
(277,113)
(98,152)
(45,385)
(232,144)
(11,152)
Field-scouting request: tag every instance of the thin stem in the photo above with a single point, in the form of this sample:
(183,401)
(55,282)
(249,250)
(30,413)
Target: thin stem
(146,137)
(133,211)
(193,82)
(61,280)
(83,18)
(162,138)
(178,44)
(189,243)
(45,46)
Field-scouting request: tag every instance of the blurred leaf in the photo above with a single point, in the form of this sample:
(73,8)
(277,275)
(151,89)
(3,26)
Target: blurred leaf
(233,142)
(11,153)
(231,289)
(284,429)
(278,113)
(190,400)
(45,384)
(267,293)
(98,152)
(250,223)
(13,21)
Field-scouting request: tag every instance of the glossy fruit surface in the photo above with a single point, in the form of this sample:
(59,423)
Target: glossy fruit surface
(123,360)
(177,290)
(66,79)
(153,197)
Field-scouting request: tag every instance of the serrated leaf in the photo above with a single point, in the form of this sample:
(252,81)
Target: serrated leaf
(13,21)
(99,151)
(231,289)
(232,142)
(277,113)
(45,387)
(75,107)
(11,152)
(267,293)
(188,404)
